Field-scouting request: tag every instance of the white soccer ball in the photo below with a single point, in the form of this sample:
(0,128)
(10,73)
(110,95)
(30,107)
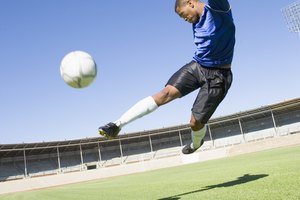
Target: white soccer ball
(78,69)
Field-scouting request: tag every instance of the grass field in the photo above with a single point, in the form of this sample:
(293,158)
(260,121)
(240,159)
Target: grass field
(267,175)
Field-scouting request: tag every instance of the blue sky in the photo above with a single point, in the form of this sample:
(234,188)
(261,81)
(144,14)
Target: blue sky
(137,47)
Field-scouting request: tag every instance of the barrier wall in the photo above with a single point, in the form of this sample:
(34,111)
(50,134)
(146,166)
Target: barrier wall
(21,161)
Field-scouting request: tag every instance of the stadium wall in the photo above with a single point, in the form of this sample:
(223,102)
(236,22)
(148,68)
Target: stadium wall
(24,162)
(146,165)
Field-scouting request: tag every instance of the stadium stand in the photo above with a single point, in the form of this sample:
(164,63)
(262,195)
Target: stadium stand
(22,161)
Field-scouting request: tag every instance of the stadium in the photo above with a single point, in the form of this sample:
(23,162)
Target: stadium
(40,165)
(252,154)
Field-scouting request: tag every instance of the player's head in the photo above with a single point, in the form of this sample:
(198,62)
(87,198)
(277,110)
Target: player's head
(188,10)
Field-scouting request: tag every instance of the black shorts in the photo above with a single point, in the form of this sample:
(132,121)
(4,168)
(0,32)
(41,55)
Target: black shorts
(214,84)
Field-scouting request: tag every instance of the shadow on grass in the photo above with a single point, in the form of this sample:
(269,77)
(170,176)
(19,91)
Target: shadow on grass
(240,180)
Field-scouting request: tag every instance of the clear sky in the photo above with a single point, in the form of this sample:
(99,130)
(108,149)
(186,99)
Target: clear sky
(137,45)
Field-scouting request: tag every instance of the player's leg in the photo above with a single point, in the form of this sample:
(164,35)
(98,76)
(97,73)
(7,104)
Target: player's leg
(181,83)
(148,105)
(140,109)
(198,131)
(211,94)
(166,95)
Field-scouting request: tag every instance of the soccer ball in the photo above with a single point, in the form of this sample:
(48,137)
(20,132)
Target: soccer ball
(78,69)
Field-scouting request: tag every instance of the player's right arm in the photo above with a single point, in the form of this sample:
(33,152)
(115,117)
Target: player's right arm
(222,5)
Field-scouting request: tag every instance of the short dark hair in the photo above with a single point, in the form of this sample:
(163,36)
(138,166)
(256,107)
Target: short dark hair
(180,3)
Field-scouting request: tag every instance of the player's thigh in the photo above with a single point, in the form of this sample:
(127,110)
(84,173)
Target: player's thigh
(211,94)
(187,79)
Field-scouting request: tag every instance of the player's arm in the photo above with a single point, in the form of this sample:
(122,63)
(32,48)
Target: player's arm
(222,5)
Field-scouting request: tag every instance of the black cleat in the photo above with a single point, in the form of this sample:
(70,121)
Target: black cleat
(110,130)
(188,149)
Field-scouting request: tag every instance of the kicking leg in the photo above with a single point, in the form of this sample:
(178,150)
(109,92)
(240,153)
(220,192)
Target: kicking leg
(140,109)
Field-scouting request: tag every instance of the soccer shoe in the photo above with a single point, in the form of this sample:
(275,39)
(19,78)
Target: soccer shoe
(188,149)
(110,130)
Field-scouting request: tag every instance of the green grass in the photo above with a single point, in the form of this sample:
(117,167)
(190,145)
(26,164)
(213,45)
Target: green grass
(267,175)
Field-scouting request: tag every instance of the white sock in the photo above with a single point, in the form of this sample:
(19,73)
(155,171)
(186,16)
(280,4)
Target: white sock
(197,136)
(140,109)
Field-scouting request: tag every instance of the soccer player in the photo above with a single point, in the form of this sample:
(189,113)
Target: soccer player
(210,70)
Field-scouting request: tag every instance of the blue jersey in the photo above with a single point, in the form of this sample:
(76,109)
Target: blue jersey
(214,35)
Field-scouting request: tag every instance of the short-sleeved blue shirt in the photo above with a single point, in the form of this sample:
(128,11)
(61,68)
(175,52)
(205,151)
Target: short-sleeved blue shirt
(214,35)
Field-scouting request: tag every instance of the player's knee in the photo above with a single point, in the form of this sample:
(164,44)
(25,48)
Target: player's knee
(196,125)
(166,95)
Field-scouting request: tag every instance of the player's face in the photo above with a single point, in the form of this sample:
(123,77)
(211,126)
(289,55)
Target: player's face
(188,12)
